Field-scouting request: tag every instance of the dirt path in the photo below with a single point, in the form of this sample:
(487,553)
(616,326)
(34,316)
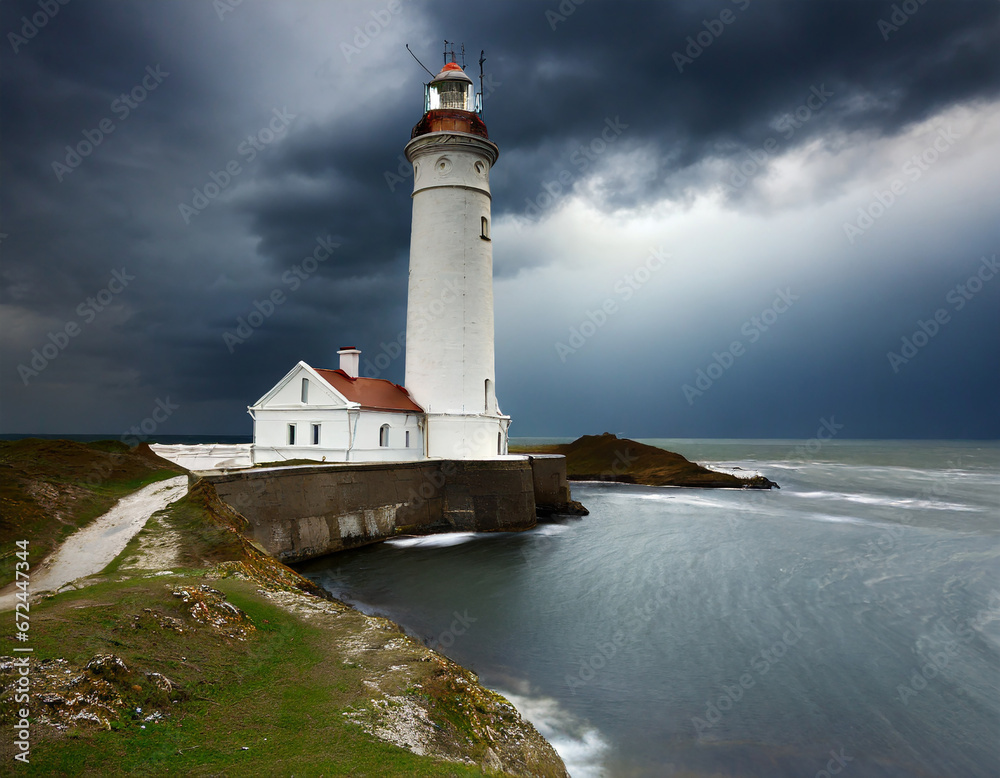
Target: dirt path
(89,550)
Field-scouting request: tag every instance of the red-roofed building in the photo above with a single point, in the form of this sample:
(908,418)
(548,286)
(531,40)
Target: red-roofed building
(337,416)
(453,413)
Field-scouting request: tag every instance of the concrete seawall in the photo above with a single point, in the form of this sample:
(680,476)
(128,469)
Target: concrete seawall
(297,513)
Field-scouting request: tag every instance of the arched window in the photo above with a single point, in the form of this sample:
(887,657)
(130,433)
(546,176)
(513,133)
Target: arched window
(491,400)
(500,444)
(484,223)
(305,390)
(383,436)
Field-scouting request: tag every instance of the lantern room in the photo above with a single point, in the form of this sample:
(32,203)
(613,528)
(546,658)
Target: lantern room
(451,104)
(451,89)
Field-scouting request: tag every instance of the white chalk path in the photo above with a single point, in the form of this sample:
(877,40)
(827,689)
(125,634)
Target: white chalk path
(89,550)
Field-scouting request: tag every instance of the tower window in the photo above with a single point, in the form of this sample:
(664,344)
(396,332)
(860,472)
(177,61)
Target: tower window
(383,436)
(291,434)
(485,226)
(407,438)
(500,444)
(315,434)
(305,390)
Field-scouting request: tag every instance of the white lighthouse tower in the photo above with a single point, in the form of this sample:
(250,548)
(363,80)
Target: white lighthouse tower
(449,314)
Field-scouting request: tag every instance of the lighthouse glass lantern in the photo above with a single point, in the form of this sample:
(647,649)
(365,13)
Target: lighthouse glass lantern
(451,89)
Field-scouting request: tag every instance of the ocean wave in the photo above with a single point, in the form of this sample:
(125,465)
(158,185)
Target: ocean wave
(892,502)
(434,541)
(580,745)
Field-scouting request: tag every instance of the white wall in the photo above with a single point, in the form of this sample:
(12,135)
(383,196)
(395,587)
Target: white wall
(467,437)
(449,314)
(345,435)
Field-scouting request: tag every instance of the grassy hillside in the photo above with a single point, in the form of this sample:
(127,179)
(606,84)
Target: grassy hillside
(50,488)
(610,458)
(195,653)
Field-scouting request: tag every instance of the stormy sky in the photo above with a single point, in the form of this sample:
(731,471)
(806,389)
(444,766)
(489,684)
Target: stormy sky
(730,219)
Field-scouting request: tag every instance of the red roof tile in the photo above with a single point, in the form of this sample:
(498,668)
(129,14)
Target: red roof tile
(373,393)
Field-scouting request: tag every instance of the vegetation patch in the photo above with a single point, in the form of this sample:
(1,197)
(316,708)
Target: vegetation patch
(51,488)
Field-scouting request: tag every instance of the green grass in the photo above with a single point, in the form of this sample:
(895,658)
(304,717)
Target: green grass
(281,693)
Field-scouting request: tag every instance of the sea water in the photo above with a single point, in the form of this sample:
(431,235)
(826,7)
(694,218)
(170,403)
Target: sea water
(848,623)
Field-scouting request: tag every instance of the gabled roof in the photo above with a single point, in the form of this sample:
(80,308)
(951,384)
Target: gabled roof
(375,394)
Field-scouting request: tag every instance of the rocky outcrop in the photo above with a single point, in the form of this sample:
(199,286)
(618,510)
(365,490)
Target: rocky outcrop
(610,458)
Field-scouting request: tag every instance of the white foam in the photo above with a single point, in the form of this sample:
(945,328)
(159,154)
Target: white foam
(550,529)
(839,519)
(894,502)
(434,541)
(579,744)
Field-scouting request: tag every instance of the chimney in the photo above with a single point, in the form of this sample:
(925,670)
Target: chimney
(350,359)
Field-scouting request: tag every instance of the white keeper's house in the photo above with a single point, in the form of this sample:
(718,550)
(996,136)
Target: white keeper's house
(449,408)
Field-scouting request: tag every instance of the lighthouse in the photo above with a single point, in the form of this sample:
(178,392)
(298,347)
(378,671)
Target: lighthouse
(450,368)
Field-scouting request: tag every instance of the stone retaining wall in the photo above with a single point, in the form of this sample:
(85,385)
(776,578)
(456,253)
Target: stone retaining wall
(298,513)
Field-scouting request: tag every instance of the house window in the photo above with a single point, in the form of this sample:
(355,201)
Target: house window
(407,438)
(291,434)
(305,390)
(485,225)
(383,436)
(315,434)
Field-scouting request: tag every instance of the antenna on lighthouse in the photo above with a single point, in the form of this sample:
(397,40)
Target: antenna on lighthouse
(418,61)
(482,94)
(452,54)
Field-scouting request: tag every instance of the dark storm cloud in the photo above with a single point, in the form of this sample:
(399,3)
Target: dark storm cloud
(334,173)
(560,85)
